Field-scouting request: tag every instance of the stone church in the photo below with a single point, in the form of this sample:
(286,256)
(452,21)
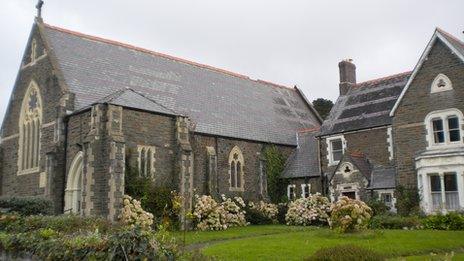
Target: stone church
(84,107)
(81,103)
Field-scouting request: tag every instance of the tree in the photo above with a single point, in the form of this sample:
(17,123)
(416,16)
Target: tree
(323,107)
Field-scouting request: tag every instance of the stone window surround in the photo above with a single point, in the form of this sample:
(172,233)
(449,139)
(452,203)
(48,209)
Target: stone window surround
(73,191)
(353,187)
(35,118)
(380,192)
(291,192)
(443,115)
(146,149)
(304,188)
(240,159)
(342,168)
(448,84)
(330,159)
(423,180)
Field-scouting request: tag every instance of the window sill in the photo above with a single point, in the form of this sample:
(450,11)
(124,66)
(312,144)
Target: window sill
(28,171)
(237,189)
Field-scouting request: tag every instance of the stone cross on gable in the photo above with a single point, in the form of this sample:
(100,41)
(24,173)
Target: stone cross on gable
(39,8)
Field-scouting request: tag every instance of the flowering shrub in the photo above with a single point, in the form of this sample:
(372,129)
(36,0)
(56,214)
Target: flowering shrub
(349,214)
(133,214)
(211,215)
(262,213)
(312,210)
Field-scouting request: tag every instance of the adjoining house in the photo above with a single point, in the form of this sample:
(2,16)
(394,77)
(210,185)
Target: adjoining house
(400,130)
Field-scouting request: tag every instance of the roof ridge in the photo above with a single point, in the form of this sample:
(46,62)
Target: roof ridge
(308,130)
(450,36)
(385,78)
(166,56)
(153,100)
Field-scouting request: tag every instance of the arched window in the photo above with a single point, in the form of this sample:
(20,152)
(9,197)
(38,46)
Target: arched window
(146,160)
(30,122)
(73,191)
(444,128)
(441,83)
(236,164)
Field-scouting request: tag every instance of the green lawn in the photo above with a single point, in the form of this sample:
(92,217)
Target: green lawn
(295,243)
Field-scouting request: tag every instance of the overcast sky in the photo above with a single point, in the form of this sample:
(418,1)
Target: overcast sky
(288,42)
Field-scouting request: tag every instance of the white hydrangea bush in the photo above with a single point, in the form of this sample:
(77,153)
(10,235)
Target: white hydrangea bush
(314,209)
(268,210)
(349,215)
(211,215)
(132,214)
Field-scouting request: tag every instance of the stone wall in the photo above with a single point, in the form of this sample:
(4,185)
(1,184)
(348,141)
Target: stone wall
(153,130)
(409,132)
(252,153)
(372,142)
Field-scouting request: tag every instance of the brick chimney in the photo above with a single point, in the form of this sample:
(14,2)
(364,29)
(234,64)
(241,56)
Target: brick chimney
(347,75)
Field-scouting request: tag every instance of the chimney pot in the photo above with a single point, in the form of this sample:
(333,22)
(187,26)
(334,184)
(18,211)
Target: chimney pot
(347,75)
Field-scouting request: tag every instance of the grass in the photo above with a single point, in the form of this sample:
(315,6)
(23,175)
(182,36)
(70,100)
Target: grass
(295,243)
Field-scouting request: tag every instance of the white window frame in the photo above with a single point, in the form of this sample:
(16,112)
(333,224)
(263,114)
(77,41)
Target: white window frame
(329,140)
(304,188)
(443,115)
(448,84)
(291,195)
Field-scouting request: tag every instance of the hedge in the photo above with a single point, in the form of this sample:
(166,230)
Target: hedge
(26,205)
(70,237)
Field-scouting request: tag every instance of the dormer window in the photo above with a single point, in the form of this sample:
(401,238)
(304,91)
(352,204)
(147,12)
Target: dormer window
(444,128)
(441,83)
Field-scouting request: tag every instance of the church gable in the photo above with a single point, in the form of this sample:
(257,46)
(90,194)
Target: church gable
(33,121)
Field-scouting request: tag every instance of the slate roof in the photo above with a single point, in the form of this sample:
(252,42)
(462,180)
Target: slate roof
(365,105)
(383,178)
(217,101)
(455,42)
(133,99)
(304,161)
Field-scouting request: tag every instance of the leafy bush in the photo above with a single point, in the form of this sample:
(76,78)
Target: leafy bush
(378,207)
(261,213)
(349,215)
(27,206)
(162,202)
(408,200)
(450,221)
(312,210)
(64,223)
(345,253)
(211,215)
(133,214)
(57,242)
(395,222)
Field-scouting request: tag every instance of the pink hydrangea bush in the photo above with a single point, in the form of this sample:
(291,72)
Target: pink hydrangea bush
(132,214)
(211,215)
(349,215)
(312,210)
(268,210)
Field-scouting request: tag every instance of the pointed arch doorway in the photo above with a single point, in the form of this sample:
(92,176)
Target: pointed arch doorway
(73,191)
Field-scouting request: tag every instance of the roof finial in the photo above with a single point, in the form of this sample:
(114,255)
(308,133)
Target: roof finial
(39,8)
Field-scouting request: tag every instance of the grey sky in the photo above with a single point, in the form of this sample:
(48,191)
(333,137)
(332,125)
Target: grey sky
(287,42)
